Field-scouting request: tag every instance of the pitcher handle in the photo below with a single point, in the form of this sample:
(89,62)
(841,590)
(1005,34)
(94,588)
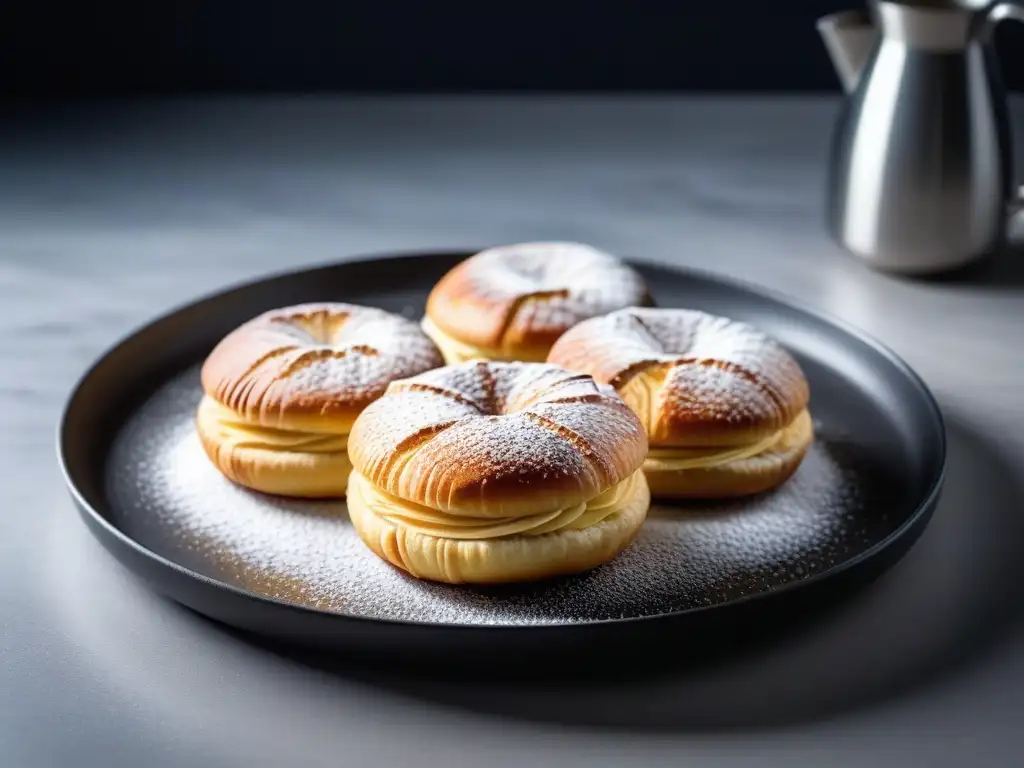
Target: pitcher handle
(1010,10)
(1015,212)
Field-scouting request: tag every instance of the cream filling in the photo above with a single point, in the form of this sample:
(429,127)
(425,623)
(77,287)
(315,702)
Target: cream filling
(455,351)
(703,458)
(432,522)
(241,434)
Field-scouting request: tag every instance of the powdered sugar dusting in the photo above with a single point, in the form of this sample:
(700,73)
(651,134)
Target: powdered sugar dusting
(337,350)
(594,282)
(724,368)
(166,494)
(712,393)
(500,448)
(523,420)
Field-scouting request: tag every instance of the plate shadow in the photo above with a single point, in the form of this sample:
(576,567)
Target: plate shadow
(953,598)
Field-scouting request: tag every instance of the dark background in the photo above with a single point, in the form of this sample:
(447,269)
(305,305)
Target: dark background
(63,48)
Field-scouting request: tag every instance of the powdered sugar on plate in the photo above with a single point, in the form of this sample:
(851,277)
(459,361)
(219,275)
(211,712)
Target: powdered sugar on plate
(166,494)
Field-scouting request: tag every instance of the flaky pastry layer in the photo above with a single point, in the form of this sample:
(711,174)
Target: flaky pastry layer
(314,367)
(695,380)
(497,440)
(517,299)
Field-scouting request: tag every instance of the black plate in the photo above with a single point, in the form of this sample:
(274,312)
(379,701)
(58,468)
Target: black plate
(296,571)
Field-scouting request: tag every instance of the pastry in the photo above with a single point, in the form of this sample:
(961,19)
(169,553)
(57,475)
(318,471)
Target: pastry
(488,472)
(724,406)
(512,302)
(281,392)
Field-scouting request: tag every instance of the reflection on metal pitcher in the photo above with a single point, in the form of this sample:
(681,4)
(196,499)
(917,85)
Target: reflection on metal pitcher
(921,176)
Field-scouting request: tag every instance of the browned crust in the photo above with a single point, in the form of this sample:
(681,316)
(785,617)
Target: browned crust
(583,348)
(256,369)
(679,415)
(501,327)
(684,419)
(493,458)
(456,307)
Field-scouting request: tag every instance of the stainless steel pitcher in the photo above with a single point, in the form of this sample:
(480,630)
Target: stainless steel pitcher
(922,165)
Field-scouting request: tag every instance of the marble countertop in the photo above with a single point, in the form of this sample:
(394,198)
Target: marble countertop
(112,214)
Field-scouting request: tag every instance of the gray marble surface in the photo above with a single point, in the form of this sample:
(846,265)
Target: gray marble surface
(111,215)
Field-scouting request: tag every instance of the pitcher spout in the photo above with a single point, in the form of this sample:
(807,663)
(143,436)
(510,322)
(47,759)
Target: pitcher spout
(849,38)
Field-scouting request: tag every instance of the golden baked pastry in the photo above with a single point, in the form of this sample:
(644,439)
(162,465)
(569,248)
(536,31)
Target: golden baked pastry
(512,302)
(488,472)
(724,406)
(281,392)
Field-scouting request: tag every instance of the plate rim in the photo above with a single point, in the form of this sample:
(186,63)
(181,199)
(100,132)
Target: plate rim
(98,523)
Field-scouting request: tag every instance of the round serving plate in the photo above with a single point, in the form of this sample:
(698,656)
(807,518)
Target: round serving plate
(296,571)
